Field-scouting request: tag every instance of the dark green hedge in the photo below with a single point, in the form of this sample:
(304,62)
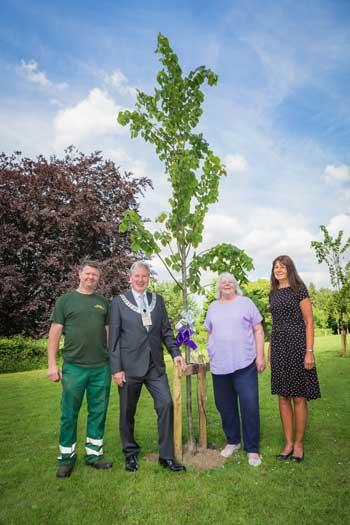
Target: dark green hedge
(18,354)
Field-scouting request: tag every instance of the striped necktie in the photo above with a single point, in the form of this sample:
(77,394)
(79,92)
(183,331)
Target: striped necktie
(142,302)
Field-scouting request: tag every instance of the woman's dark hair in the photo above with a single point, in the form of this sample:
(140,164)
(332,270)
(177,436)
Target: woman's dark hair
(295,281)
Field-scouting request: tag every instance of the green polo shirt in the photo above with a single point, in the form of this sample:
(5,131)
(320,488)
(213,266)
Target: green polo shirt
(84,318)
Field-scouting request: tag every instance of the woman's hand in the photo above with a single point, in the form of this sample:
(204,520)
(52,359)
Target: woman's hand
(309,360)
(260,364)
(259,342)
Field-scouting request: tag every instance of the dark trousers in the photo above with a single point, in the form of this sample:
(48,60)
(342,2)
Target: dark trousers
(129,394)
(229,389)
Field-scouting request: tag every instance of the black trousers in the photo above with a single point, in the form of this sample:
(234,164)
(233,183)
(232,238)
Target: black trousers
(129,394)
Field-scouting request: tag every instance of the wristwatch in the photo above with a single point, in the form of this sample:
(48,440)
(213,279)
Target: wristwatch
(309,349)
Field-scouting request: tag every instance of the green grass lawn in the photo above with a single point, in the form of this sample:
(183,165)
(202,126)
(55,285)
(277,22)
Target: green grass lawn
(315,492)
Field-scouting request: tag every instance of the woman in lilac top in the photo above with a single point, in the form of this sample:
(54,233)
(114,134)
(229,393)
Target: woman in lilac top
(236,353)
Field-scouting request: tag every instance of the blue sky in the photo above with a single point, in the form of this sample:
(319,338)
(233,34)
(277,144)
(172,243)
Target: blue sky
(279,117)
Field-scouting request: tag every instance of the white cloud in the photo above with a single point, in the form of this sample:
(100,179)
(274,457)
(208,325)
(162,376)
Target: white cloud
(317,277)
(118,155)
(278,225)
(139,168)
(339,175)
(31,72)
(27,131)
(283,72)
(93,117)
(120,82)
(264,235)
(220,228)
(121,157)
(159,269)
(268,241)
(235,163)
(339,222)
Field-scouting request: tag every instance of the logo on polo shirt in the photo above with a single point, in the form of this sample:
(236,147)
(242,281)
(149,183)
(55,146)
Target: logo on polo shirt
(99,307)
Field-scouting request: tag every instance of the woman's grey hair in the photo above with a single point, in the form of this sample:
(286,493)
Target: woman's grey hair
(140,264)
(231,278)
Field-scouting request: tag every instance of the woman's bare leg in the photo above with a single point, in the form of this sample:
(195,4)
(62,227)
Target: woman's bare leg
(300,420)
(286,415)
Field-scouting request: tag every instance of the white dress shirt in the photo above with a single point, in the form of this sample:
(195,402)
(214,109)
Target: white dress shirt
(138,299)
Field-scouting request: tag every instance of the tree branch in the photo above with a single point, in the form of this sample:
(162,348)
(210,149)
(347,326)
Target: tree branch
(169,271)
(204,251)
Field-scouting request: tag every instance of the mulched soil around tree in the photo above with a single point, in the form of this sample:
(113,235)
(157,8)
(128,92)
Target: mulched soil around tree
(202,459)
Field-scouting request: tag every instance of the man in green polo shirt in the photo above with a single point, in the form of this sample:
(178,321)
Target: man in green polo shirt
(81,316)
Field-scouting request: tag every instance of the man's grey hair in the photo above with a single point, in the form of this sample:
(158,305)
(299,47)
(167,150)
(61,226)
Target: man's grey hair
(229,277)
(140,264)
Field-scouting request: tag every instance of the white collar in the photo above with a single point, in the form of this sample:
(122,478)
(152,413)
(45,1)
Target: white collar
(137,296)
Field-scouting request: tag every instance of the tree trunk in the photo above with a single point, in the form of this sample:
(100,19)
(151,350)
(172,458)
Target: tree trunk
(343,342)
(191,442)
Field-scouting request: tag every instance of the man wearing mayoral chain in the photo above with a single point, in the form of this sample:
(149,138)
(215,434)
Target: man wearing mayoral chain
(139,324)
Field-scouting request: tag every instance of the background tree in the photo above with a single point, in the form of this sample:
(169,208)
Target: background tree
(323,304)
(336,255)
(168,119)
(173,300)
(52,214)
(258,291)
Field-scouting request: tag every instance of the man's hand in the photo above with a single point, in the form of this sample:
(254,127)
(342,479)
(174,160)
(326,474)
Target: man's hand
(180,359)
(54,374)
(119,378)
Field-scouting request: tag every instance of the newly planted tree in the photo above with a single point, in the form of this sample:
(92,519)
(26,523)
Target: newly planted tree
(168,119)
(336,255)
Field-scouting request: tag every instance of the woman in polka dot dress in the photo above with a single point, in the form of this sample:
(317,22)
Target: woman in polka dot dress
(293,373)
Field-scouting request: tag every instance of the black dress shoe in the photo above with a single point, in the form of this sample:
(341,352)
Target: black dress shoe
(100,464)
(131,464)
(172,465)
(298,459)
(284,457)
(64,471)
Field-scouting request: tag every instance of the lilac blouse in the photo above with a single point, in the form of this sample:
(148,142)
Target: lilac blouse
(231,344)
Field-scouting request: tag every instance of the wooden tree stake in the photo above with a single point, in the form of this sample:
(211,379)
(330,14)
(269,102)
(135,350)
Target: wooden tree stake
(192,369)
(177,412)
(203,441)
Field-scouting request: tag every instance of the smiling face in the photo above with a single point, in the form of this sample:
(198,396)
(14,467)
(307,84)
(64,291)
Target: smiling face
(89,278)
(139,279)
(280,271)
(227,287)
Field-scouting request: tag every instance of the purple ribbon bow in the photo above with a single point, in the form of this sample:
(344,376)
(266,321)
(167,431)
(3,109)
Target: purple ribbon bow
(184,337)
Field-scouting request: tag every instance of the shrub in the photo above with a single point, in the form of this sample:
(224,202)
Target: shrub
(53,213)
(19,353)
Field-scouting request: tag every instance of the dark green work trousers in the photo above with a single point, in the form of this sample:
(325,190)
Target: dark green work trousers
(96,382)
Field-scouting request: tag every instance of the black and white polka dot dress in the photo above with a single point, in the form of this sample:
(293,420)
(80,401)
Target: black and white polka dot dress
(289,378)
